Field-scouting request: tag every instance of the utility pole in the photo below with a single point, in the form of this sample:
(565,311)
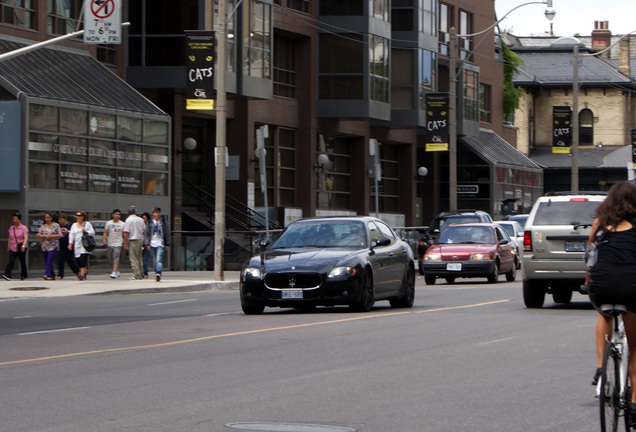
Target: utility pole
(452,112)
(220,149)
(575,120)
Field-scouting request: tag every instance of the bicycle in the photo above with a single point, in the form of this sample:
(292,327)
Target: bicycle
(614,388)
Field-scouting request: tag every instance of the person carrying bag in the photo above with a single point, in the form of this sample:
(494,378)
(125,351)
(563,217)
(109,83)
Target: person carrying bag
(79,230)
(17,247)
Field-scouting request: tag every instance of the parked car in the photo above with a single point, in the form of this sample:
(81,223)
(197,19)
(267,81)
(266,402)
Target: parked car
(415,237)
(471,250)
(515,231)
(352,261)
(521,218)
(553,246)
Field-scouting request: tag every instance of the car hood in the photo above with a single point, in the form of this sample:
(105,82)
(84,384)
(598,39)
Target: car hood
(460,250)
(305,259)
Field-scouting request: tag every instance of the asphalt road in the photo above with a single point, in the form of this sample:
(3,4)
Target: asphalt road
(468,356)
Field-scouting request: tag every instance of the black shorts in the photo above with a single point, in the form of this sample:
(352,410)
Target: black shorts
(613,284)
(82,261)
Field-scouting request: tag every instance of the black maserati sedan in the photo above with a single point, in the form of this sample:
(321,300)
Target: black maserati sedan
(352,261)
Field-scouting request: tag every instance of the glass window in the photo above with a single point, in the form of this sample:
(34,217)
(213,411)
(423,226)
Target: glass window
(129,182)
(465,27)
(129,128)
(43,118)
(73,149)
(73,121)
(102,153)
(155,184)
(401,19)
(427,77)
(381,10)
(73,177)
(341,66)
(257,40)
(63,16)
(334,184)
(401,79)
(429,17)
(284,67)
(446,21)
(20,13)
(102,180)
(102,125)
(42,175)
(379,68)
(42,146)
(341,8)
(156,158)
(484,103)
(129,155)
(155,132)
(471,95)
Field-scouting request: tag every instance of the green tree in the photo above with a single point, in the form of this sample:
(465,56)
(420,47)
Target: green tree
(511,94)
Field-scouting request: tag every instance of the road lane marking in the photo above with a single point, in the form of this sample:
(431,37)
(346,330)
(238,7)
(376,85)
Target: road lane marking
(172,302)
(241,333)
(23,317)
(53,331)
(498,340)
(12,299)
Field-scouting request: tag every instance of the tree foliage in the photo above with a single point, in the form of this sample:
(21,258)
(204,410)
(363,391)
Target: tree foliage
(511,94)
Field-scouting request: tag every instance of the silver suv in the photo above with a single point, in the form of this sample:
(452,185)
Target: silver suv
(553,246)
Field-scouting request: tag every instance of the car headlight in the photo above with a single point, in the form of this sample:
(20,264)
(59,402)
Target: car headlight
(480,256)
(433,257)
(252,272)
(342,271)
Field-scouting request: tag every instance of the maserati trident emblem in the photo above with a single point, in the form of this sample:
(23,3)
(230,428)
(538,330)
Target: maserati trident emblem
(292,282)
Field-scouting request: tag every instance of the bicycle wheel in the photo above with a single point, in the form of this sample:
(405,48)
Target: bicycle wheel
(609,397)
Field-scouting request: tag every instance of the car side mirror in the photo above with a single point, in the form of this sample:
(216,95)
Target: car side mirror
(382,241)
(503,241)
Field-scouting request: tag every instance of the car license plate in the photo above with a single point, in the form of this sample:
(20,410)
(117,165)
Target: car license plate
(454,267)
(292,294)
(575,246)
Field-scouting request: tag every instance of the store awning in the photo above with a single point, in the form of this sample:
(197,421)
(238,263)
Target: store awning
(62,75)
(497,152)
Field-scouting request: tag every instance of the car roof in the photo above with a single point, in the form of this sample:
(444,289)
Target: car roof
(476,224)
(568,197)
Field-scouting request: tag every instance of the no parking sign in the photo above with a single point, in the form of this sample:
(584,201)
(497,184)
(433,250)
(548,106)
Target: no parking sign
(102,21)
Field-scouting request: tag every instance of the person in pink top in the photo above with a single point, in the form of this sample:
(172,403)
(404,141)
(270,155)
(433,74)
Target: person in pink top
(17,246)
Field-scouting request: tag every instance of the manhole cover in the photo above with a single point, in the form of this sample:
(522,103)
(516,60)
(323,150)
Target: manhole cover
(28,289)
(287,427)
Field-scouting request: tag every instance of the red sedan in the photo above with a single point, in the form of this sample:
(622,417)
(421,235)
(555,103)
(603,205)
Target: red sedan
(471,250)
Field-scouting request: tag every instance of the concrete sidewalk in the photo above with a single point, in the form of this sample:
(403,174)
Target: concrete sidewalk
(177,281)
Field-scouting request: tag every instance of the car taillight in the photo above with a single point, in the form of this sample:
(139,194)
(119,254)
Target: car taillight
(527,241)
(579,199)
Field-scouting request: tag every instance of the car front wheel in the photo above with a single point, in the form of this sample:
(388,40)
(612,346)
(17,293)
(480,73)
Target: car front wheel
(494,275)
(252,309)
(366,300)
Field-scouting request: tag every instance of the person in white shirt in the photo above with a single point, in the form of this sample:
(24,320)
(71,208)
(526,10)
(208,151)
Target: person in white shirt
(113,237)
(157,240)
(133,241)
(75,242)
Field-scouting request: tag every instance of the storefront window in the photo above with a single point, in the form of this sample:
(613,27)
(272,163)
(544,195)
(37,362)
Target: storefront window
(102,180)
(102,125)
(129,182)
(129,155)
(43,118)
(73,150)
(155,184)
(102,153)
(43,147)
(155,132)
(73,121)
(156,158)
(128,129)
(42,175)
(73,177)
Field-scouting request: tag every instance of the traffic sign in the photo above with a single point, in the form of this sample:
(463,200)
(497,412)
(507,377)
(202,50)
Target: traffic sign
(102,21)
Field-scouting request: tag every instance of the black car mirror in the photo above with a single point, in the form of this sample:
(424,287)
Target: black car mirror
(382,241)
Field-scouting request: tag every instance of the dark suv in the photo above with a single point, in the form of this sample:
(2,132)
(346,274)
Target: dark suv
(444,219)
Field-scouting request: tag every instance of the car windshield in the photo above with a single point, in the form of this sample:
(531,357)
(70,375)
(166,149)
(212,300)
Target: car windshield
(440,223)
(565,212)
(467,234)
(323,234)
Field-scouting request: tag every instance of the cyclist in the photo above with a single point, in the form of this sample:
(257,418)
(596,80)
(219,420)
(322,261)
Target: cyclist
(613,278)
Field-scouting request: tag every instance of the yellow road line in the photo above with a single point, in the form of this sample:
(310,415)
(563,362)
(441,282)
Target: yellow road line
(242,333)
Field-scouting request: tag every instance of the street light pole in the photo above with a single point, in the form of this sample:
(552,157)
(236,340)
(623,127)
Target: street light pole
(575,120)
(220,149)
(452,95)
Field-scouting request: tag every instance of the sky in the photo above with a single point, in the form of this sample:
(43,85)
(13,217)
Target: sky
(572,16)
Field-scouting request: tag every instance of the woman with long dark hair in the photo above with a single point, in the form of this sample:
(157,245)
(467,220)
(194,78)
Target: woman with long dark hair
(79,228)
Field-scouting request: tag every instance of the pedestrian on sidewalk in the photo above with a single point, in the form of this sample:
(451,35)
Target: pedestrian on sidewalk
(133,241)
(79,228)
(17,247)
(64,254)
(157,239)
(145,253)
(113,238)
(49,233)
